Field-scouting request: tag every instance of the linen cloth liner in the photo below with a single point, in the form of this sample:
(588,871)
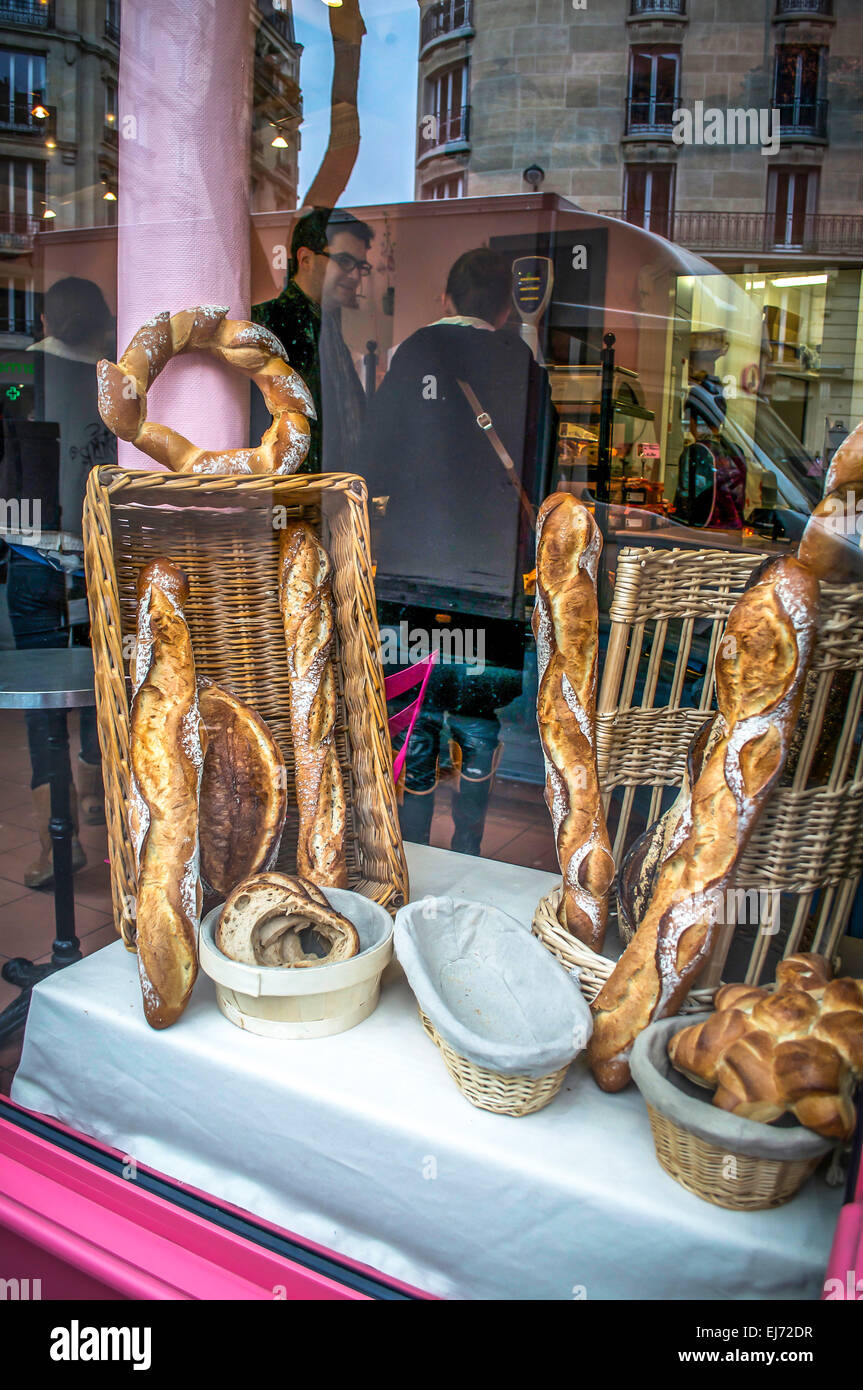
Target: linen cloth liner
(490,988)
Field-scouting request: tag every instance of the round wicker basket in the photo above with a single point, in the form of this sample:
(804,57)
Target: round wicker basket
(591,969)
(726,1179)
(488,1090)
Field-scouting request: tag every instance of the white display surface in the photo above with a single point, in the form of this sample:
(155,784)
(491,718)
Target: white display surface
(362,1142)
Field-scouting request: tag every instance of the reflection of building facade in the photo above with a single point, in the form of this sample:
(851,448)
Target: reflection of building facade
(588,98)
(58,134)
(60,129)
(277,108)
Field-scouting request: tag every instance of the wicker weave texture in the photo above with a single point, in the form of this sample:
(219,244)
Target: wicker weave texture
(488,1090)
(591,968)
(809,839)
(224,533)
(726,1179)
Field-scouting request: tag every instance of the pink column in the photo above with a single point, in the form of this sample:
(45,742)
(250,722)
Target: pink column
(185,128)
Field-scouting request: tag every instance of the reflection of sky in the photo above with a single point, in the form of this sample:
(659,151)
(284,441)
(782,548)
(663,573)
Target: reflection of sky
(384,171)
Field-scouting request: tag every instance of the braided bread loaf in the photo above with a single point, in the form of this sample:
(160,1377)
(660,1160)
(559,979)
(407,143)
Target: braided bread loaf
(760,671)
(248,347)
(305,593)
(167,746)
(797,1048)
(566,628)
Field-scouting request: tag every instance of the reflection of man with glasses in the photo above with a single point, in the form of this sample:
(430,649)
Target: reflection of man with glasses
(328,265)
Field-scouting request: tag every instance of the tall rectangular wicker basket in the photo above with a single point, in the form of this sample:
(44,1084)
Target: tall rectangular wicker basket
(224,533)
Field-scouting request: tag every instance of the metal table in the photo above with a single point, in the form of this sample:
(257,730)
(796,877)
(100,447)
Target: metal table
(47,678)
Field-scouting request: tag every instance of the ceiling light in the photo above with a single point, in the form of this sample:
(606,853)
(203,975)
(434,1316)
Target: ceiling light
(800,280)
(47,214)
(334,4)
(280,143)
(109,197)
(40,112)
(50,144)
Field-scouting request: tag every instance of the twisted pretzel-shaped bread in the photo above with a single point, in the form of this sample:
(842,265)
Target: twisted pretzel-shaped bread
(797,1048)
(248,347)
(566,627)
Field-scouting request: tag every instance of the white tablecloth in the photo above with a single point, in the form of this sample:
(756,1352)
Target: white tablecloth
(363,1143)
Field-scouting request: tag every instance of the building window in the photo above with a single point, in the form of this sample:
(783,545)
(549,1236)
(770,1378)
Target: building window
(447,104)
(446,17)
(648,198)
(445,188)
(111,106)
(796,86)
(22,191)
(792,202)
(17,307)
(22,86)
(112,19)
(654,87)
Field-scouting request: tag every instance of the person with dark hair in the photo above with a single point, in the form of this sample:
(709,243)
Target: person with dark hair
(328,264)
(45,587)
(452,524)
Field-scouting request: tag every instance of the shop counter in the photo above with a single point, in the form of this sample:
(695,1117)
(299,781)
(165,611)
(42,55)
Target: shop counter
(363,1144)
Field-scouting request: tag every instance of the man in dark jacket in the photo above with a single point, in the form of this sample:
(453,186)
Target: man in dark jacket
(455,539)
(328,265)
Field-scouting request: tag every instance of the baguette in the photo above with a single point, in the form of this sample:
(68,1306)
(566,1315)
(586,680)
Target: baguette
(832,541)
(566,628)
(305,594)
(760,672)
(167,753)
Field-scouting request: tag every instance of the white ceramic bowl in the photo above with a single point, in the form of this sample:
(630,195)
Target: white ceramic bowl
(313,1002)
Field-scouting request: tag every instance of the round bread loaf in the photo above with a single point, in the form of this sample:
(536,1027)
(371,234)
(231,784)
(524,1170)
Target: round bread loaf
(276,920)
(244,797)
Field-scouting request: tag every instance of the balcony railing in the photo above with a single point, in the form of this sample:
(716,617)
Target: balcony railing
(803,7)
(824,233)
(33,13)
(445,18)
(657,7)
(803,119)
(449,128)
(649,116)
(18,325)
(17,230)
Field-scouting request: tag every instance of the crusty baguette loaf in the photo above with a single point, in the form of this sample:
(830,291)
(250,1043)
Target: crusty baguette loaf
(797,1049)
(262,921)
(244,795)
(305,594)
(832,543)
(566,628)
(760,672)
(167,752)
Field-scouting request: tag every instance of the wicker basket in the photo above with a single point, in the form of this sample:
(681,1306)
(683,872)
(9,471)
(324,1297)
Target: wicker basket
(488,1090)
(224,532)
(591,969)
(807,848)
(725,1159)
(726,1179)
